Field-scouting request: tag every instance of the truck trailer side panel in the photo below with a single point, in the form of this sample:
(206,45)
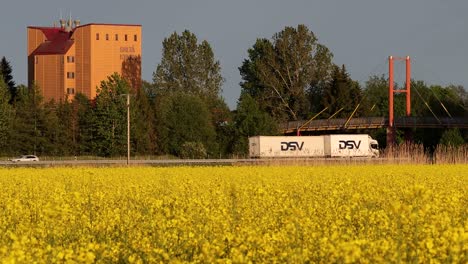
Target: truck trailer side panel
(347,146)
(287,147)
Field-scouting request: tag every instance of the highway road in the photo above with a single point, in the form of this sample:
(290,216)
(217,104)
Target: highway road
(122,162)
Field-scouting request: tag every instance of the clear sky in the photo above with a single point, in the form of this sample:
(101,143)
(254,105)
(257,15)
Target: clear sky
(360,33)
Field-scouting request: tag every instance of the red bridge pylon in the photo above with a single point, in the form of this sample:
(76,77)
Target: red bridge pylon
(391,129)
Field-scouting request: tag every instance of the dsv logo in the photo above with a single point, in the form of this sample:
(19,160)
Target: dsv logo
(292,145)
(349,144)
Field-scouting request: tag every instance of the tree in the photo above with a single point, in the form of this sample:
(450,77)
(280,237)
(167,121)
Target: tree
(5,115)
(83,124)
(183,118)
(28,129)
(221,118)
(69,112)
(375,101)
(278,74)
(375,104)
(110,115)
(188,67)
(448,101)
(143,135)
(6,71)
(376,96)
(425,102)
(341,95)
(192,150)
(437,102)
(452,137)
(249,121)
(54,131)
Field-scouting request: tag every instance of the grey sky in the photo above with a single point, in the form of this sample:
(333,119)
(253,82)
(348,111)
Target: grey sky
(360,33)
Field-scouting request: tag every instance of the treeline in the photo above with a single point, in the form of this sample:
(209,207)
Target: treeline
(182,113)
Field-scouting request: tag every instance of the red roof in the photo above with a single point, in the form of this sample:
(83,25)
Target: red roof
(106,24)
(58,41)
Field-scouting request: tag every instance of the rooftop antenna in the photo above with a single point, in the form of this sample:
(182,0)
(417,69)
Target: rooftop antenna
(76,22)
(69,24)
(61,20)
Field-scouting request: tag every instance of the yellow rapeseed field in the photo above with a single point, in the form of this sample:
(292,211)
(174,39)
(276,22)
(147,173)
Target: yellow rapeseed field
(322,214)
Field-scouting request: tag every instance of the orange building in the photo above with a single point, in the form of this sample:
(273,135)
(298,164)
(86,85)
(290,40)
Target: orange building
(74,58)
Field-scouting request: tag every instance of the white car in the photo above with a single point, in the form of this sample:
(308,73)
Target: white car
(25,158)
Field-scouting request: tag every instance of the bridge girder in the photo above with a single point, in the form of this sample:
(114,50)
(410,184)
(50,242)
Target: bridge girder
(373,123)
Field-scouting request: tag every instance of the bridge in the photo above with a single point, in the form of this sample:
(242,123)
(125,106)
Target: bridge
(292,127)
(391,123)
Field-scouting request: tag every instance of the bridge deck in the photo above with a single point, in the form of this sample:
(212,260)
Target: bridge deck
(373,122)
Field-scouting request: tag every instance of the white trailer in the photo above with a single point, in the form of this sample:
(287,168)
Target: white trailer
(283,146)
(361,145)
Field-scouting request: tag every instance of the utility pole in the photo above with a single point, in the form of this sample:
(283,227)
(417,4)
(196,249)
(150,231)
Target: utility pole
(128,126)
(128,129)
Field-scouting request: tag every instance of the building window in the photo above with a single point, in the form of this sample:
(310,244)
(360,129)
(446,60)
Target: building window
(70,90)
(70,59)
(135,38)
(97,36)
(125,37)
(116,36)
(70,75)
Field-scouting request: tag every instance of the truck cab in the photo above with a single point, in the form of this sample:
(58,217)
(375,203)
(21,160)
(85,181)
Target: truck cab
(374,147)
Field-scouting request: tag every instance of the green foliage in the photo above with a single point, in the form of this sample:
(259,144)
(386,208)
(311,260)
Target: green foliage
(192,150)
(438,102)
(27,134)
(143,134)
(83,121)
(5,115)
(278,74)
(226,139)
(433,101)
(183,118)
(452,137)
(376,96)
(221,118)
(448,101)
(66,113)
(110,118)
(189,67)
(250,121)
(6,73)
(54,131)
(341,95)
(288,77)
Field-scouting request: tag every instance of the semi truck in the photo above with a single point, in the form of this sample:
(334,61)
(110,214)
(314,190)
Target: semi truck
(325,146)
